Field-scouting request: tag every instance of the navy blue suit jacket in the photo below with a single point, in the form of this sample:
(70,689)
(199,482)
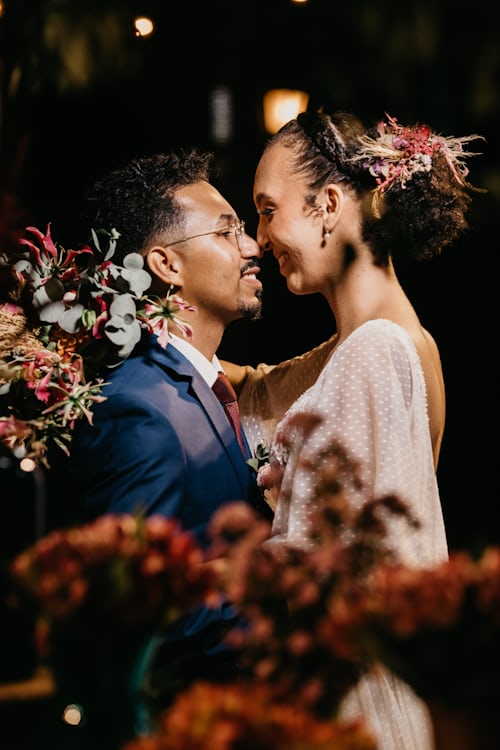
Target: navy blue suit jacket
(161,443)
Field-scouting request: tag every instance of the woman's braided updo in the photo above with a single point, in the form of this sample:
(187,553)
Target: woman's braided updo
(411,180)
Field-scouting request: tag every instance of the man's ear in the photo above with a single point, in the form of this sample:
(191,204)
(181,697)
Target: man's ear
(165,264)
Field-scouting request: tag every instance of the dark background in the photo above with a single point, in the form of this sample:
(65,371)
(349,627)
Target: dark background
(81,94)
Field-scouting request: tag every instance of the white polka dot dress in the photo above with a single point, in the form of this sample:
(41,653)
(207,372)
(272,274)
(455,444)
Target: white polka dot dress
(370,398)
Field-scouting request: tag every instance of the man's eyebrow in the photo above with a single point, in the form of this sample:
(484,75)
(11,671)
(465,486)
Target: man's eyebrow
(231,218)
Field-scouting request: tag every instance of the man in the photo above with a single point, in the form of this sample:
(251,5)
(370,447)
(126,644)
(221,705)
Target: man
(161,442)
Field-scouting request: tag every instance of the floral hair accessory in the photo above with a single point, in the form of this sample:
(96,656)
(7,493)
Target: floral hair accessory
(71,315)
(399,152)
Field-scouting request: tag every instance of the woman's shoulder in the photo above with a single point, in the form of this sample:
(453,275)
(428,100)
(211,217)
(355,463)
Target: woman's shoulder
(380,349)
(380,333)
(382,338)
(417,348)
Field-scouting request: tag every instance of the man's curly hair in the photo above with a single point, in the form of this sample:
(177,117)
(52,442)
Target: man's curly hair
(138,199)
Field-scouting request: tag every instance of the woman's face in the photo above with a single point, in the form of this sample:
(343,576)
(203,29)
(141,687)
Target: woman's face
(289,226)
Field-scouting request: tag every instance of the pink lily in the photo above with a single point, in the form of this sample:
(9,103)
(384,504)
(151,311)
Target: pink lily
(49,251)
(157,315)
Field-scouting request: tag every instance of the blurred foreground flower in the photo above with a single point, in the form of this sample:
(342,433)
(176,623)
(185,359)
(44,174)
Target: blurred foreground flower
(320,616)
(247,717)
(115,573)
(439,628)
(103,592)
(304,605)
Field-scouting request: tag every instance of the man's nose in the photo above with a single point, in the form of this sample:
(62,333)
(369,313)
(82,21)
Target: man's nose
(249,247)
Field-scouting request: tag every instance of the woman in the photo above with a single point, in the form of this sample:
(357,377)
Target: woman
(338,206)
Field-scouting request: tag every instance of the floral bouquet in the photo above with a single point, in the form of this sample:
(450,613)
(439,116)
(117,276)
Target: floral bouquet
(67,317)
(246,717)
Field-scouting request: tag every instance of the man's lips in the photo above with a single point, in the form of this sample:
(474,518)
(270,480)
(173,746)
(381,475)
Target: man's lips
(249,273)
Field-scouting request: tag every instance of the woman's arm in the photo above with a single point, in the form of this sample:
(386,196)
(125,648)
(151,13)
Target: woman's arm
(265,392)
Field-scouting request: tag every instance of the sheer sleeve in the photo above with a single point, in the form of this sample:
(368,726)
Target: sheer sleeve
(267,391)
(370,399)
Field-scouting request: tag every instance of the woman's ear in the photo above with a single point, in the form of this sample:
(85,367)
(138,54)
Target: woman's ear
(333,204)
(334,200)
(164,264)
(329,203)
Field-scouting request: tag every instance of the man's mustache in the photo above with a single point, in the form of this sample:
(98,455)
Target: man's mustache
(252,263)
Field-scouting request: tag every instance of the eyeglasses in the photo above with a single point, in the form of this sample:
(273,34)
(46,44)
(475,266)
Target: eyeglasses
(236,230)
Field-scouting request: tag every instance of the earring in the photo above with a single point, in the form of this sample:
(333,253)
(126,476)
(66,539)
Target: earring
(326,233)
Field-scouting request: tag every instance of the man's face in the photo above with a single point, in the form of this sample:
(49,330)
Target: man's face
(218,261)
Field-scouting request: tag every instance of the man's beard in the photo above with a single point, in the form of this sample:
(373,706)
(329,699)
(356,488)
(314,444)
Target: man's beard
(251,310)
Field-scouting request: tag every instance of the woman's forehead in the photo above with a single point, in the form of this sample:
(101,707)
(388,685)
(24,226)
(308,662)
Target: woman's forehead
(275,174)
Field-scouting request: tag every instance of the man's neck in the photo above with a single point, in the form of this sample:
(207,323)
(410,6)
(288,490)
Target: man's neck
(208,368)
(206,339)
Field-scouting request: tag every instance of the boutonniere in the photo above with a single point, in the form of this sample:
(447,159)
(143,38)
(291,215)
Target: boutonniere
(265,475)
(260,457)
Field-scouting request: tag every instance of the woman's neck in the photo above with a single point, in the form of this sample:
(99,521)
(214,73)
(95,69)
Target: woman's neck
(366,292)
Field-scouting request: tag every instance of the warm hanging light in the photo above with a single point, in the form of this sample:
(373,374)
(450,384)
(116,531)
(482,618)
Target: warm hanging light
(281,105)
(143,25)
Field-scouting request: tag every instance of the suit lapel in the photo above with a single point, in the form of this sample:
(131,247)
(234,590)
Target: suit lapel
(172,359)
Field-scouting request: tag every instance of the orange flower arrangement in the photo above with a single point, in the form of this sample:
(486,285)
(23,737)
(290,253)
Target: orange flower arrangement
(439,628)
(101,594)
(304,606)
(115,574)
(247,717)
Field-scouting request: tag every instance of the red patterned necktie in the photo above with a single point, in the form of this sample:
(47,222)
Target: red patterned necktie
(229,400)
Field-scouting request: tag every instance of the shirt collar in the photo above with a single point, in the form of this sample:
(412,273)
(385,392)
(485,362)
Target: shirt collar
(207,369)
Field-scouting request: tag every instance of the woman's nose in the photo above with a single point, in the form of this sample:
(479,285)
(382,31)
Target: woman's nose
(262,240)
